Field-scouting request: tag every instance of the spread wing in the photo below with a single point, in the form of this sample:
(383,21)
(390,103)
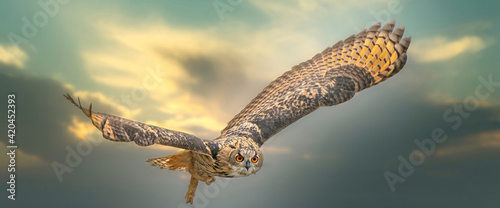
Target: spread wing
(329,78)
(119,129)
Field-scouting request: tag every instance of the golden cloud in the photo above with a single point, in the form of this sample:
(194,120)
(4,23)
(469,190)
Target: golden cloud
(80,129)
(159,44)
(28,160)
(437,98)
(13,55)
(441,48)
(472,144)
(140,46)
(190,112)
(122,110)
(183,124)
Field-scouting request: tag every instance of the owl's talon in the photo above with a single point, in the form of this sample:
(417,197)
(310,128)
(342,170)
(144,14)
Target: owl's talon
(189,197)
(210,181)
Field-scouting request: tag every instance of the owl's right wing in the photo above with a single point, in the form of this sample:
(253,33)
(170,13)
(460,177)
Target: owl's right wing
(329,78)
(119,129)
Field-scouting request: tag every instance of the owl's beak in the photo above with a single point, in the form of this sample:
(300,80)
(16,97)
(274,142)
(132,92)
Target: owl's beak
(247,165)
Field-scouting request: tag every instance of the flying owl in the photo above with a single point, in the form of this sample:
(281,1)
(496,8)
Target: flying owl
(329,78)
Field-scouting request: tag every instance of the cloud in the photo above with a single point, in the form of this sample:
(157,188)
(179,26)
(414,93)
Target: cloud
(23,159)
(117,108)
(47,122)
(473,144)
(41,112)
(201,126)
(13,55)
(81,129)
(447,99)
(197,86)
(30,160)
(441,48)
(134,49)
(305,10)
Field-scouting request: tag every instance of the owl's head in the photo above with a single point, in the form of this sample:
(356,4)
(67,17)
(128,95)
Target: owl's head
(242,158)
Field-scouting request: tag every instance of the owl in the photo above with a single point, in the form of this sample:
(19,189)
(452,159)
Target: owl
(329,78)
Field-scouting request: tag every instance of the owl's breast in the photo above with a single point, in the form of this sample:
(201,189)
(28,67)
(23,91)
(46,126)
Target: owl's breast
(206,166)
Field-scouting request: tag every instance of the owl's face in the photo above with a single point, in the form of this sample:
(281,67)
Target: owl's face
(239,156)
(244,162)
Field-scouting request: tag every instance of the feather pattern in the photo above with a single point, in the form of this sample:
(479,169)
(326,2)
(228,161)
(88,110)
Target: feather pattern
(119,129)
(329,78)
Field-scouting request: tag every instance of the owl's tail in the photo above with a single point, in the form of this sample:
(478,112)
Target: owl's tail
(180,161)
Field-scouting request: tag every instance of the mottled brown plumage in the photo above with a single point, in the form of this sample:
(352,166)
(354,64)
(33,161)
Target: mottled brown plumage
(329,78)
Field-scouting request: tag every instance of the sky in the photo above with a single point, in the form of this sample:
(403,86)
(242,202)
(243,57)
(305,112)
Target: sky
(428,137)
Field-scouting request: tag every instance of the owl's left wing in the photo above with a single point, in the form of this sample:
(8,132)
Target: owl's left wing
(119,129)
(329,78)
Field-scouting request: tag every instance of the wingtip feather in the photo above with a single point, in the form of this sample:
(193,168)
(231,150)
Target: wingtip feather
(79,105)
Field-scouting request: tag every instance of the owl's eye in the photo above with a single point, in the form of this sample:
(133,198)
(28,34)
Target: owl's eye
(255,159)
(239,158)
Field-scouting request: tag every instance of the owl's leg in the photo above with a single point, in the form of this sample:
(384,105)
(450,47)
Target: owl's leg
(192,188)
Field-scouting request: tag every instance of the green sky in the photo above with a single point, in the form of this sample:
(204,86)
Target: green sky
(190,66)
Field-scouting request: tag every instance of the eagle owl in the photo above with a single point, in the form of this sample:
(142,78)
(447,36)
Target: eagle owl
(329,78)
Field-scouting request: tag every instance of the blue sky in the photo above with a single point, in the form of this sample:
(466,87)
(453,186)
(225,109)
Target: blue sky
(187,66)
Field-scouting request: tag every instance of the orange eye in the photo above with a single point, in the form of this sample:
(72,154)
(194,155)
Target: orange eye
(239,158)
(255,159)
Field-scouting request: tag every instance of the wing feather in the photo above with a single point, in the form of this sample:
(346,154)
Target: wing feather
(329,78)
(119,129)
